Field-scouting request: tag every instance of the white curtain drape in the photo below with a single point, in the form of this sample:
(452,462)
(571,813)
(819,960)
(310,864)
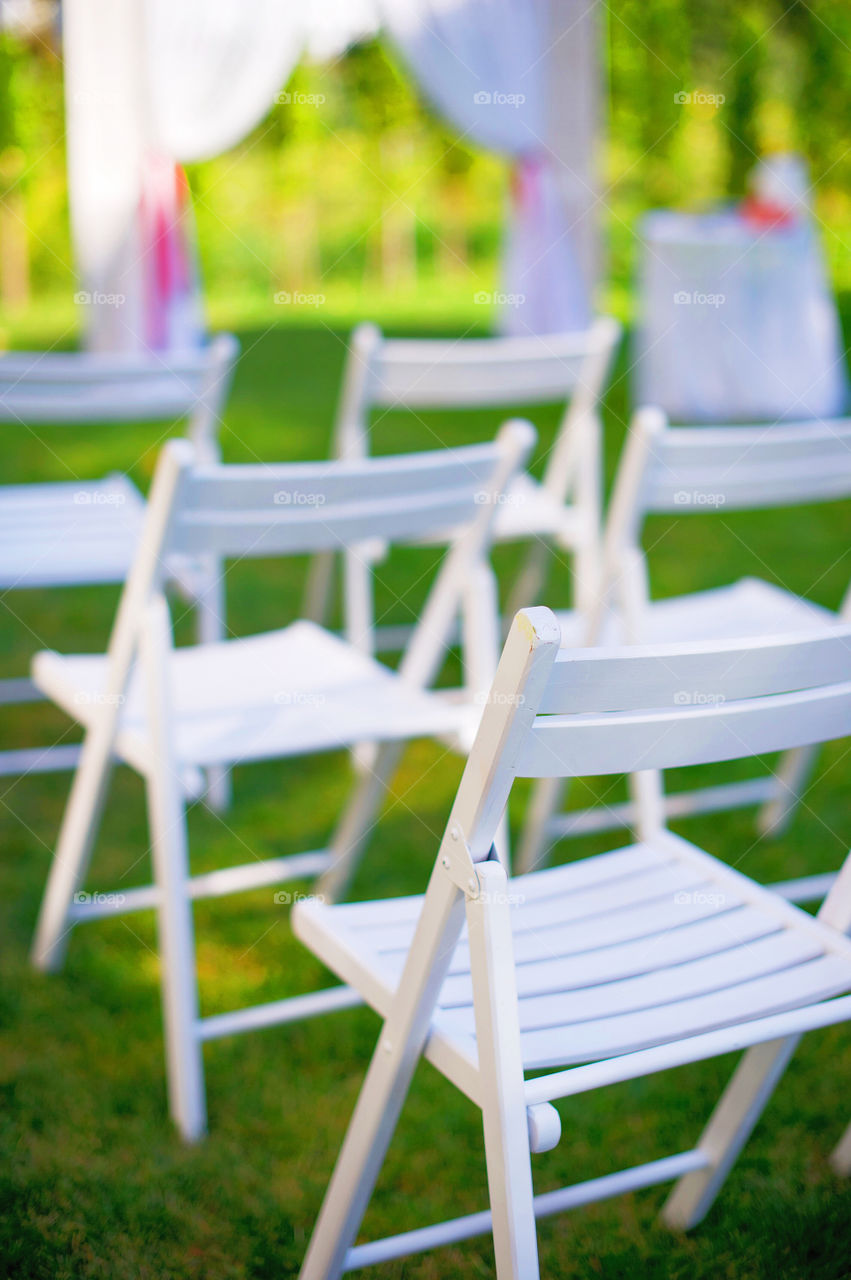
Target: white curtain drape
(486,65)
(148,86)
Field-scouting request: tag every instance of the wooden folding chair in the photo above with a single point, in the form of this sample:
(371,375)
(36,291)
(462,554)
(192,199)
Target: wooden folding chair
(81,532)
(168,712)
(683,470)
(560,511)
(602,970)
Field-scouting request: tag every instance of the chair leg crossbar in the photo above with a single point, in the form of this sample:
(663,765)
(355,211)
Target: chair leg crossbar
(667,1169)
(212,884)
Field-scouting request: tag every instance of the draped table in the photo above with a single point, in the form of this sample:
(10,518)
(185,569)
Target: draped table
(737,322)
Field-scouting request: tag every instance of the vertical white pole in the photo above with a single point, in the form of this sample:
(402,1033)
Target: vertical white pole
(576,79)
(105,106)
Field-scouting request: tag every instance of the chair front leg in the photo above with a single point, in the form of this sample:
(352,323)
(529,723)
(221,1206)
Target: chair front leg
(729,1128)
(80,824)
(504,1119)
(167,821)
(385,1088)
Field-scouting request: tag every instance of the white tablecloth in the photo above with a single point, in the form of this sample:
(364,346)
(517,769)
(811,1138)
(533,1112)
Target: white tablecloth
(736,323)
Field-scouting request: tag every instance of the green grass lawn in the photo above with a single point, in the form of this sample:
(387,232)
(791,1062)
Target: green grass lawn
(93,1181)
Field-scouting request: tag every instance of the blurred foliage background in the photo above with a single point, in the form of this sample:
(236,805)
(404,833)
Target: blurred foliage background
(351,188)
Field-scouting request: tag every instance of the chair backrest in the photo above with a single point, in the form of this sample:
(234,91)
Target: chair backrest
(560,713)
(419,373)
(688,470)
(70,387)
(244,511)
(260,510)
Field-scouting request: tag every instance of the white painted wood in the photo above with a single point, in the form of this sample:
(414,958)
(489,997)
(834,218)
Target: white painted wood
(595,972)
(710,470)
(82,531)
(167,821)
(213,704)
(506,1132)
(562,510)
(551,1202)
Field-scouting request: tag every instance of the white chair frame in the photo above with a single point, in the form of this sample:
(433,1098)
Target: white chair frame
(38,388)
(738,468)
(563,510)
(484,1019)
(239,511)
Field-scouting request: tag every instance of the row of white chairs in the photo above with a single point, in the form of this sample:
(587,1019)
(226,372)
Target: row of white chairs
(85,530)
(680,957)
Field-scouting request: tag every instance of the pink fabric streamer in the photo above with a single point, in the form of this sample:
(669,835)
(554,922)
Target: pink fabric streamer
(172,304)
(539,251)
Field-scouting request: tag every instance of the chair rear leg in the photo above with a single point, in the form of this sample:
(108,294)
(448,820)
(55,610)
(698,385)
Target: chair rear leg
(729,1128)
(547,800)
(348,841)
(212,628)
(529,583)
(178,979)
(320,582)
(80,824)
(841,1155)
(792,778)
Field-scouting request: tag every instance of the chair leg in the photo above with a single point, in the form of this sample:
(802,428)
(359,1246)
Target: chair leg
(841,1155)
(80,823)
(506,1129)
(320,581)
(547,799)
(529,583)
(387,1081)
(729,1128)
(184,1061)
(792,778)
(348,841)
(212,628)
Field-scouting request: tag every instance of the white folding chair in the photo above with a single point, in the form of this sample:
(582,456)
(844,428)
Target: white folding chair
(602,970)
(685,470)
(168,712)
(562,510)
(82,532)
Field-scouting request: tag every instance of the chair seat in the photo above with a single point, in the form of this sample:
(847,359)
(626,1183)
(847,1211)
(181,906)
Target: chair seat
(749,607)
(287,692)
(614,953)
(81,532)
(527,510)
